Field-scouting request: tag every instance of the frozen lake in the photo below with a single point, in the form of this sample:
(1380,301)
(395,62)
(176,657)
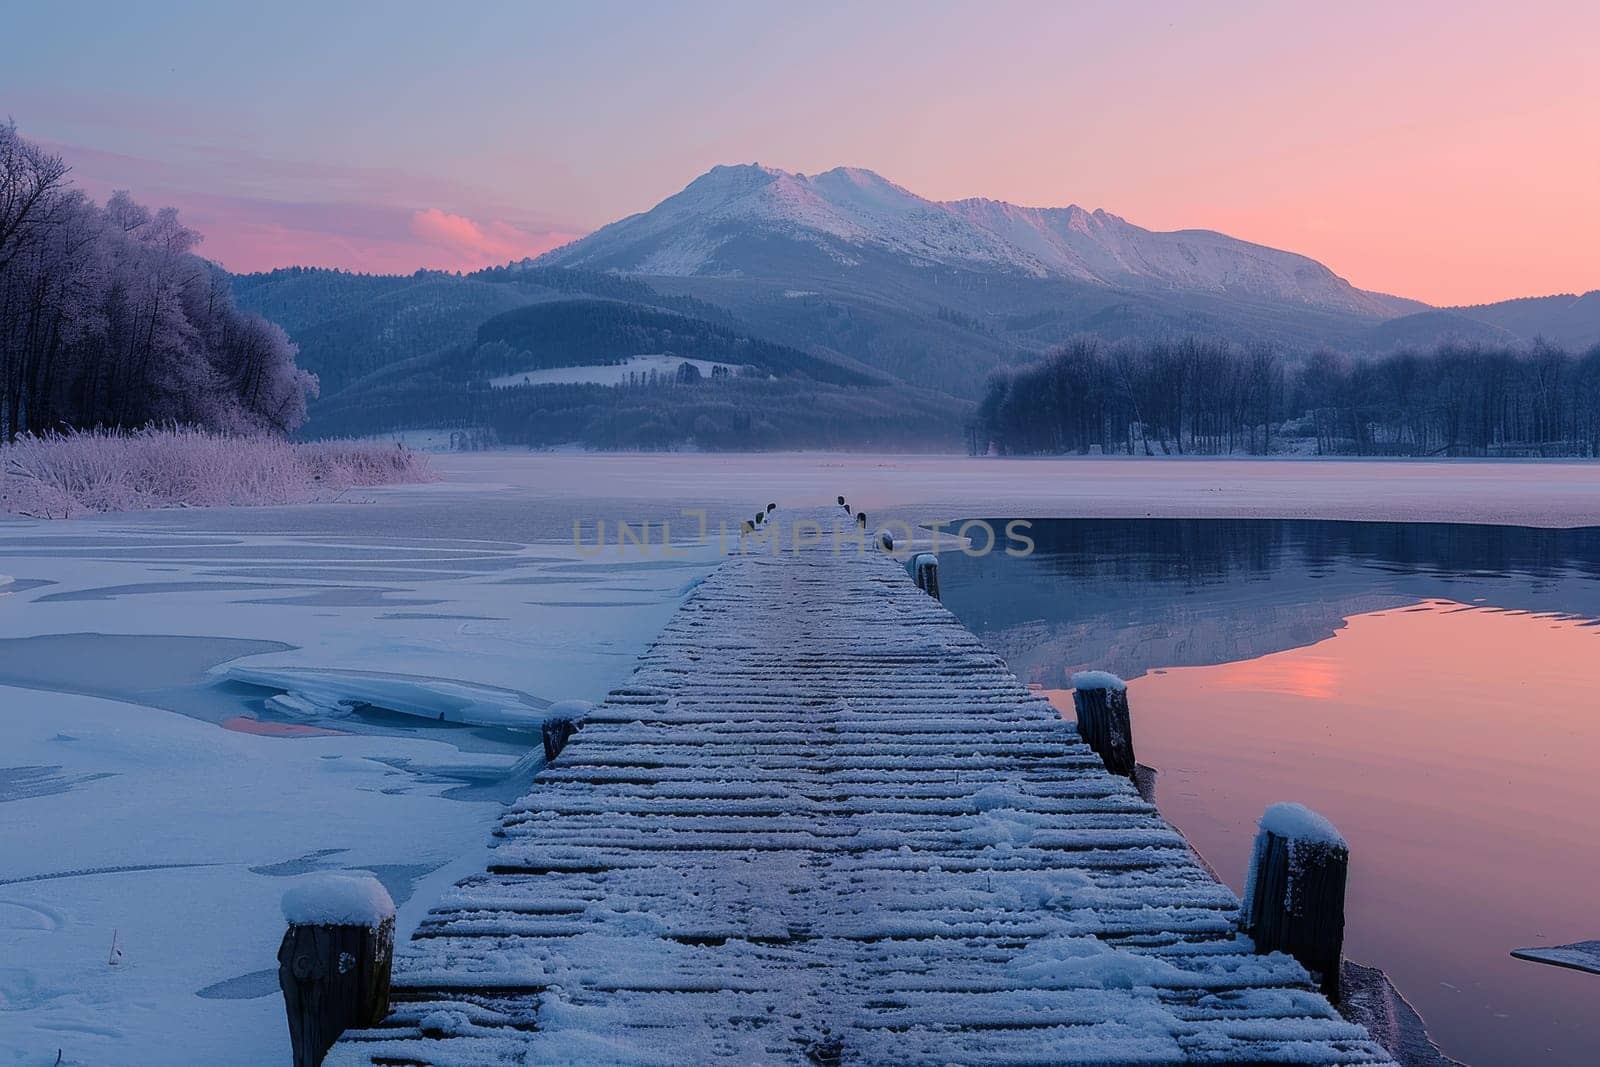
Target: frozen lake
(1428,687)
(146,795)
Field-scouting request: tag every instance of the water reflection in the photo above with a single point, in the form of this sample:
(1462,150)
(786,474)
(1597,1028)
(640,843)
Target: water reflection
(1431,688)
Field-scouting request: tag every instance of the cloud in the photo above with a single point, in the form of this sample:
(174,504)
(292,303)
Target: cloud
(493,242)
(256,214)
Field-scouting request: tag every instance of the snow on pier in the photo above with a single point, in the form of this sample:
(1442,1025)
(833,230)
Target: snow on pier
(823,824)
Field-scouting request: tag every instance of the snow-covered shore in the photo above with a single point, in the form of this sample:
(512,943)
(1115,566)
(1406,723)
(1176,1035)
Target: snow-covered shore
(84,472)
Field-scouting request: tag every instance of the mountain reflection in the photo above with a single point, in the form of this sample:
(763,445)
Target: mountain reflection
(1130,595)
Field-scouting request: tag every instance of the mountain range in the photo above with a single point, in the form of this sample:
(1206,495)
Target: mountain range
(839,292)
(734,221)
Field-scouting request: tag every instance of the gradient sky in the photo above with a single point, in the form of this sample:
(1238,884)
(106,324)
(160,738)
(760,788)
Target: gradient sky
(1444,151)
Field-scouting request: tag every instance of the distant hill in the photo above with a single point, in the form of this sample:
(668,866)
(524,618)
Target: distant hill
(350,325)
(764,395)
(1568,320)
(1427,328)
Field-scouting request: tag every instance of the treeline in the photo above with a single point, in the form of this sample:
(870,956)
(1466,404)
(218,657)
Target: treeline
(731,413)
(1193,395)
(1203,396)
(107,318)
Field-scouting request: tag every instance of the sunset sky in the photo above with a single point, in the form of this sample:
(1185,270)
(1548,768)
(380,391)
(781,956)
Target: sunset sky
(1444,151)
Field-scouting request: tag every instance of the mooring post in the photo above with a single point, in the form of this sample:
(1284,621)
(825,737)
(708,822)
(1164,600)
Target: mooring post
(555,733)
(925,568)
(1104,723)
(334,962)
(1294,892)
(562,720)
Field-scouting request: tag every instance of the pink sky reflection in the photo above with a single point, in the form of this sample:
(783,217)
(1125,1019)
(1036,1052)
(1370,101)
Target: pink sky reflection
(1456,749)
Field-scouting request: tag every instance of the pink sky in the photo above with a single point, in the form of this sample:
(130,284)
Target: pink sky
(1443,151)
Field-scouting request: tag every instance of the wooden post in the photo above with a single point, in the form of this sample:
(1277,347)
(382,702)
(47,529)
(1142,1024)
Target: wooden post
(861,519)
(771,508)
(335,975)
(925,568)
(556,733)
(1294,893)
(841,500)
(1104,722)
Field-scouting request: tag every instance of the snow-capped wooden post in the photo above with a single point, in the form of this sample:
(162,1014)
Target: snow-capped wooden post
(861,519)
(1104,722)
(1294,892)
(562,720)
(925,568)
(555,733)
(333,964)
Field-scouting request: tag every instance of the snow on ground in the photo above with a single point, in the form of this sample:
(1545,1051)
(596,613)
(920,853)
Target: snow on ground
(607,373)
(179,839)
(1580,956)
(145,795)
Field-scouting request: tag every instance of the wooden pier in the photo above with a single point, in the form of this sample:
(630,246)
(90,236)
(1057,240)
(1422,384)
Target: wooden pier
(822,824)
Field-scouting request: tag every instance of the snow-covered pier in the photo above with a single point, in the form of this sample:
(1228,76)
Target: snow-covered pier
(823,824)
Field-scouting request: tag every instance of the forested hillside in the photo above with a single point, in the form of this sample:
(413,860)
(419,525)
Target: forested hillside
(729,414)
(419,351)
(764,395)
(350,325)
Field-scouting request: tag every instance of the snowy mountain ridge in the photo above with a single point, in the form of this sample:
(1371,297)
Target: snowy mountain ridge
(736,220)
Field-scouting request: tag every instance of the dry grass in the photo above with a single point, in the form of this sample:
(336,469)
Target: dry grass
(79,473)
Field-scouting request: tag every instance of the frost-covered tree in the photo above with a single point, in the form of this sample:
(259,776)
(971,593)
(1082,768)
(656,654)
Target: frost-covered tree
(109,319)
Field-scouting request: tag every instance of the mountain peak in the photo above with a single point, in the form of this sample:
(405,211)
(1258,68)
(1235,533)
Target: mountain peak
(737,220)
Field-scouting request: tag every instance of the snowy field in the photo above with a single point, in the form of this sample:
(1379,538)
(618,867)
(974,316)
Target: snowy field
(149,796)
(607,373)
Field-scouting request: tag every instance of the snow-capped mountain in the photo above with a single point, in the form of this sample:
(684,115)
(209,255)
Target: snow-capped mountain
(741,221)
